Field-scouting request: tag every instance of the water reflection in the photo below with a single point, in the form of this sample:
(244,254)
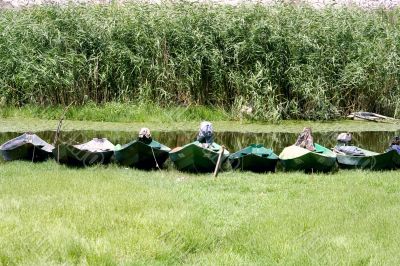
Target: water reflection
(375,141)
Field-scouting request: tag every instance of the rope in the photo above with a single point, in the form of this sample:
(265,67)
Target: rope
(33,154)
(155,159)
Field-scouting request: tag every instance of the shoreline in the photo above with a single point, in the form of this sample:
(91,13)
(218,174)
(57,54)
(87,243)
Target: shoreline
(20,124)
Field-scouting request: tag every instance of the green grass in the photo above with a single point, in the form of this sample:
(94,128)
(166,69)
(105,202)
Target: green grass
(285,61)
(118,112)
(50,214)
(20,124)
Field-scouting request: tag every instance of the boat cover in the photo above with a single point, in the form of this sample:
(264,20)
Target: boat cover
(24,139)
(96,145)
(350,150)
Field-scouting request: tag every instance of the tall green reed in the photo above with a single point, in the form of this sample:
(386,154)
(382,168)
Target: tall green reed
(285,61)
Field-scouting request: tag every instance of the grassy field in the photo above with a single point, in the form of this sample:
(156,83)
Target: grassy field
(50,214)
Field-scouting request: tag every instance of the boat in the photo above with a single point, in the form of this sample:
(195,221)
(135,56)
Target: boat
(142,156)
(28,147)
(96,151)
(295,158)
(370,160)
(255,158)
(197,157)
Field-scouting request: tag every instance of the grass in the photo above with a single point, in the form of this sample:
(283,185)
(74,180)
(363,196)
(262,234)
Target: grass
(109,215)
(118,112)
(284,61)
(20,124)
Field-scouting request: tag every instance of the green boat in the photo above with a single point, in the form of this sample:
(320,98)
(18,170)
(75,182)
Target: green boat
(255,158)
(295,158)
(96,151)
(142,156)
(194,157)
(371,160)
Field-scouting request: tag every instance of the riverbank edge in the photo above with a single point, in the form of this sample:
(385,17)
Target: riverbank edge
(21,124)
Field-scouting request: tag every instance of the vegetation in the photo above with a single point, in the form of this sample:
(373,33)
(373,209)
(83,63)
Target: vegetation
(287,62)
(54,215)
(20,124)
(118,112)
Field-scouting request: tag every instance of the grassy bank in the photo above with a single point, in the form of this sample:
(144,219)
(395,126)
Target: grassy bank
(287,62)
(18,124)
(54,215)
(120,112)
(131,117)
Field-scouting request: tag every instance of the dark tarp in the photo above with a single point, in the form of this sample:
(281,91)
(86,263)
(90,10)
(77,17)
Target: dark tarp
(24,139)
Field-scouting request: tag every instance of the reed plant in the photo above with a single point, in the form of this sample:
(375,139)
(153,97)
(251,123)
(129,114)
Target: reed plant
(283,61)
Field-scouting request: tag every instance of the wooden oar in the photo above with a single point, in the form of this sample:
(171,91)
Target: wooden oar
(338,152)
(176,149)
(219,161)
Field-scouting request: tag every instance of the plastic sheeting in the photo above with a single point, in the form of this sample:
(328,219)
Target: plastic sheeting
(24,139)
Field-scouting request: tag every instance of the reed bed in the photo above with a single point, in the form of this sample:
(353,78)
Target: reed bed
(283,61)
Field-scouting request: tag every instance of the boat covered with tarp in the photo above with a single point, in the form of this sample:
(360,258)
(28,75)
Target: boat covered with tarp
(28,146)
(96,151)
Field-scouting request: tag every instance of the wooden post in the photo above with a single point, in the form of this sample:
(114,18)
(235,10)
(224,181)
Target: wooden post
(60,124)
(219,161)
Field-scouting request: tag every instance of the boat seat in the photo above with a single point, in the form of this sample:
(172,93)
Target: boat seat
(155,145)
(319,149)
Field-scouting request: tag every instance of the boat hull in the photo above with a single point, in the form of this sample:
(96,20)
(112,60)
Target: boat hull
(384,161)
(28,147)
(141,156)
(195,159)
(254,163)
(72,156)
(27,152)
(309,161)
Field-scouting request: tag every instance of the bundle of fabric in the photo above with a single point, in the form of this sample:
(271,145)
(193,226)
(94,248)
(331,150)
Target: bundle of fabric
(394,144)
(305,140)
(145,135)
(206,133)
(350,150)
(343,146)
(96,145)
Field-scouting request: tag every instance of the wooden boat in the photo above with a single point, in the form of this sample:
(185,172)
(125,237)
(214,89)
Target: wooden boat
(140,155)
(295,158)
(195,157)
(26,147)
(371,160)
(255,158)
(96,151)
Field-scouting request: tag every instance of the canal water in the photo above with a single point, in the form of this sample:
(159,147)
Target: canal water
(233,141)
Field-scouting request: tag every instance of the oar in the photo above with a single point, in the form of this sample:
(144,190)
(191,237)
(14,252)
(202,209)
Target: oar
(219,161)
(176,149)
